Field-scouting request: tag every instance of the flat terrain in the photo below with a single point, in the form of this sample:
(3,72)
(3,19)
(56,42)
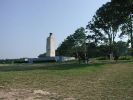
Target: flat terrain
(94,81)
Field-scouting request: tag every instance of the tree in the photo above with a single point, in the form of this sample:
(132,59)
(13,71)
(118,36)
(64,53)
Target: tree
(65,49)
(104,25)
(110,18)
(42,55)
(73,44)
(125,8)
(120,48)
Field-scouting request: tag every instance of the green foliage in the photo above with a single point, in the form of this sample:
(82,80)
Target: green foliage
(103,50)
(43,61)
(120,48)
(6,61)
(125,11)
(101,58)
(125,58)
(20,61)
(104,25)
(73,43)
(109,18)
(92,50)
(10,61)
(42,55)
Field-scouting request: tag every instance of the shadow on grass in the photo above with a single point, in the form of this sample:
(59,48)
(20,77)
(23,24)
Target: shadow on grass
(53,66)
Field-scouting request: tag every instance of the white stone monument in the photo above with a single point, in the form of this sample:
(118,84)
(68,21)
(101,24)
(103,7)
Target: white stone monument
(50,46)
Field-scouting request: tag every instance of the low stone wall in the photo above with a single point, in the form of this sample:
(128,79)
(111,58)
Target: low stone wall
(63,58)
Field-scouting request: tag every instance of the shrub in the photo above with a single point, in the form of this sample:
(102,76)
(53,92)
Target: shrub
(43,61)
(101,58)
(125,58)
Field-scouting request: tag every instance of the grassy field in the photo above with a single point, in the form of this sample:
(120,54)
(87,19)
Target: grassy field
(94,81)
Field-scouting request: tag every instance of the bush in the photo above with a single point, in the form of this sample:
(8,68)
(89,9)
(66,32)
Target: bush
(20,61)
(44,61)
(101,58)
(125,58)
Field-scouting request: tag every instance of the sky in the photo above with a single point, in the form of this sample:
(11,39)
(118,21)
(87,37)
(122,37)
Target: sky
(25,24)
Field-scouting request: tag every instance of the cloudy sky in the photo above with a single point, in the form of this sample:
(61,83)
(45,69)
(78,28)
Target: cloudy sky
(25,24)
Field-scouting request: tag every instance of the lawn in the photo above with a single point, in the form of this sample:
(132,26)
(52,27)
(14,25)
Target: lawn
(68,81)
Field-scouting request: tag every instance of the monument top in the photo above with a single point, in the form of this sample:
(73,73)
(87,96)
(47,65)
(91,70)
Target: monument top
(51,34)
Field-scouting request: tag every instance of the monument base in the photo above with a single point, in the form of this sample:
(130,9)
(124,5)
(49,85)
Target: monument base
(42,60)
(50,59)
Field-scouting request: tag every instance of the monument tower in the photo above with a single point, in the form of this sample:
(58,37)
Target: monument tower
(50,46)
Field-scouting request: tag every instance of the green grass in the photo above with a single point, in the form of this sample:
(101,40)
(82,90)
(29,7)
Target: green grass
(95,81)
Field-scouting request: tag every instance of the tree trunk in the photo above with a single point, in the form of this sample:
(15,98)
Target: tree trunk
(131,43)
(110,48)
(131,33)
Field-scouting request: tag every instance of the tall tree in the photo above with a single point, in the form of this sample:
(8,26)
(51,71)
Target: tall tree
(125,8)
(104,24)
(73,43)
(110,17)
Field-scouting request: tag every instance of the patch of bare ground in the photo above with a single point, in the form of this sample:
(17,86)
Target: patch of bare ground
(25,94)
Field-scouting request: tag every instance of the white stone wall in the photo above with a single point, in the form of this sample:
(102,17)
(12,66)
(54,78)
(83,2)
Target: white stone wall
(62,58)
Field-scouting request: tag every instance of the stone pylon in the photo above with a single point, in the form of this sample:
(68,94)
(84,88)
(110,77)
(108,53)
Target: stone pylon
(50,46)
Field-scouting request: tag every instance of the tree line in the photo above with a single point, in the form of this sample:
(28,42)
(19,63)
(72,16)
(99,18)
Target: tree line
(98,38)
